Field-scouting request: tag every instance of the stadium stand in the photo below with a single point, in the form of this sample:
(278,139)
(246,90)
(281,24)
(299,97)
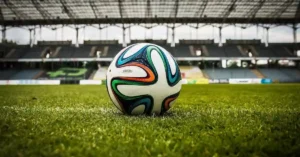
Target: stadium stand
(257,73)
(187,48)
(17,51)
(34,52)
(105,48)
(229,73)
(182,51)
(281,75)
(232,51)
(280,50)
(215,51)
(263,51)
(83,51)
(67,73)
(3,51)
(191,72)
(65,52)
(294,74)
(113,50)
(25,74)
(6,74)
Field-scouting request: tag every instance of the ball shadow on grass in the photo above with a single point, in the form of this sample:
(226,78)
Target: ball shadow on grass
(169,114)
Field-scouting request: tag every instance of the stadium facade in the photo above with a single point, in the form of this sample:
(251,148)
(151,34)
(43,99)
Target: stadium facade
(202,61)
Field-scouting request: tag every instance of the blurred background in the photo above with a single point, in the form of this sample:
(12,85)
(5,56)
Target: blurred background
(74,41)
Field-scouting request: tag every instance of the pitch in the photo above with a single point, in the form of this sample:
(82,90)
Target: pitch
(207,120)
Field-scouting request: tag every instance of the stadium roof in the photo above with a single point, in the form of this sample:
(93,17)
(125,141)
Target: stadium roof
(47,12)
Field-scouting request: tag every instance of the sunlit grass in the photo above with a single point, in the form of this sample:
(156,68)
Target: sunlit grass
(207,120)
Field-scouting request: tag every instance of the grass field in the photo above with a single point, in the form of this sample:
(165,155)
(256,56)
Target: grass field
(207,120)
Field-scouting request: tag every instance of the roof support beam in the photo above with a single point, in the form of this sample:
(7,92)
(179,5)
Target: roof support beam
(13,8)
(42,11)
(182,20)
(1,15)
(94,8)
(228,10)
(123,26)
(202,8)
(173,27)
(120,8)
(297,15)
(277,13)
(176,8)
(67,9)
(253,11)
(148,10)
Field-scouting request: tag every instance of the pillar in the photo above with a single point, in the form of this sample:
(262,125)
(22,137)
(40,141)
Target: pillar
(62,32)
(3,33)
(40,32)
(267,37)
(100,33)
(100,29)
(129,33)
(30,37)
(257,32)
(167,33)
(124,36)
(77,44)
(173,36)
(220,37)
(33,38)
(197,29)
(295,33)
(234,31)
(295,38)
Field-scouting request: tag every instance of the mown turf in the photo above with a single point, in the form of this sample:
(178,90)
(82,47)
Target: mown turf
(207,120)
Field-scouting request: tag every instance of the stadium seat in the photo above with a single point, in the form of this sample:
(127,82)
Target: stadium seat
(65,52)
(82,51)
(34,52)
(229,73)
(6,74)
(232,51)
(276,74)
(182,51)
(215,51)
(25,75)
(17,52)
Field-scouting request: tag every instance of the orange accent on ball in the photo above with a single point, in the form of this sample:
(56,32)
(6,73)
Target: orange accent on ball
(167,103)
(149,72)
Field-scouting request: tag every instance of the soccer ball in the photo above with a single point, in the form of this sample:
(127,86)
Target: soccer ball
(143,79)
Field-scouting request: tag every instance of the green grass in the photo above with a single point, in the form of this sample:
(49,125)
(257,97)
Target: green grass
(207,120)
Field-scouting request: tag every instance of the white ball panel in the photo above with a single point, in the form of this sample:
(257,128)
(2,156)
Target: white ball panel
(170,59)
(128,71)
(133,90)
(134,49)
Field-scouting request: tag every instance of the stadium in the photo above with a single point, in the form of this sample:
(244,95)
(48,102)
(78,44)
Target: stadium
(240,92)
